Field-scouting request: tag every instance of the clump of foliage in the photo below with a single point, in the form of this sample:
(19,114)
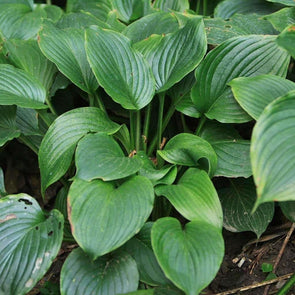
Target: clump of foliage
(139,108)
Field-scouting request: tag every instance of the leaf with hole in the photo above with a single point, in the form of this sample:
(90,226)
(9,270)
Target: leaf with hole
(112,214)
(29,242)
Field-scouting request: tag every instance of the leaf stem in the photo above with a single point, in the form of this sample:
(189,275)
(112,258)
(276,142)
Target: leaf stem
(29,143)
(205,7)
(48,2)
(138,131)
(160,116)
(50,105)
(132,129)
(146,126)
(198,7)
(200,125)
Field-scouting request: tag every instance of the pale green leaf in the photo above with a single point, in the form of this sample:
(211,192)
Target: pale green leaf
(30,3)
(284,2)
(110,214)
(287,39)
(177,5)
(54,13)
(29,242)
(282,18)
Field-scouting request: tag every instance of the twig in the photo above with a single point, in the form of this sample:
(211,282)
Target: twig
(278,259)
(250,287)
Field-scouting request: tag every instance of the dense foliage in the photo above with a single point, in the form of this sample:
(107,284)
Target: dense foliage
(144,112)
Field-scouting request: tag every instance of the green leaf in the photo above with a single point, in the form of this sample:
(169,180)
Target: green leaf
(266,267)
(156,23)
(225,9)
(176,54)
(157,291)
(242,56)
(30,3)
(237,203)
(108,275)
(194,197)
(18,21)
(100,156)
(27,121)
(190,150)
(59,143)
(26,55)
(190,257)
(282,18)
(284,2)
(8,128)
(20,88)
(177,5)
(140,248)
(218,30)
(54,13)
(287,39)
(66,49)
(29,242)
(2,184)
(103,216)
(232,151)
(288,209)
(187,107)
(115,62)
(255,93)
(272,152)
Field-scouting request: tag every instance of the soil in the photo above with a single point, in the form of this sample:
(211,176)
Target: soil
(243,257)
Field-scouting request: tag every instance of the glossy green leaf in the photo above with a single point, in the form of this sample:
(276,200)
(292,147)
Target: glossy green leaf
(100,156)
(237,203)
(115,62)
(272,152)
(190,150)
(20,88)
(177,5)
(26,55)
(8,128)
(190,257)
(2,184)
(186,106)
(284,2)
(66,49)
(27,121)
(287,40)
(108,275)
(156,23)
(218,30)
(140,248)
(194,197)
(282,18)
(18,21)
(59,143)
(110,214)
(174,55)
(242,56)
(255,93)
(288,209)
(29,242)
(226,8)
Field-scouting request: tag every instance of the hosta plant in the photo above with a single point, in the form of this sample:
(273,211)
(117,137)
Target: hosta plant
(143,111)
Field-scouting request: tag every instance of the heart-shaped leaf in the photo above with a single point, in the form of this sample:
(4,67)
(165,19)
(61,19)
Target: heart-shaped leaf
(186,47)
(66,49)
(190,257)
(59,143)
(255,93)
(140,248)
(273,153)
(29,242)
(18,21)
(108,275)
(115,62)
(100,156)
(287,39)
(8,128)
(110,214)
(288,209)
(20,88)
(282,18)
(190,150)
(237,204)
(26,55)
(194,197)
(177,5)
(244,56)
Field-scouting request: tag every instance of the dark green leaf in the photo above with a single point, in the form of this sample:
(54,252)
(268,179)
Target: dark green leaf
(288,209)
(284,2)
(282,18)
(190,257)
(29,242)
(187,107)
(177,5)
(190,150)
(194,197)
(59,143)
(108,275)
(110,214)
(255,93)
(237,203)
(27,121)
(272,151)
(287,40)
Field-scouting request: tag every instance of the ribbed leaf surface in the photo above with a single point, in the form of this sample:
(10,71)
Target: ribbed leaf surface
(287,39)
(108,275)
(27,121)
(29,242)
(59,143)
(103,217)
(177,5)
(119,69)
